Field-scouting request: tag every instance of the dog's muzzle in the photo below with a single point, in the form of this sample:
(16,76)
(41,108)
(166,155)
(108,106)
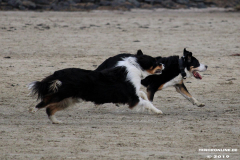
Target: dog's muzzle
(201,68)
(159,70)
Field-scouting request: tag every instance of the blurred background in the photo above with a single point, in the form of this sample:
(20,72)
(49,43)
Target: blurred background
(78,5)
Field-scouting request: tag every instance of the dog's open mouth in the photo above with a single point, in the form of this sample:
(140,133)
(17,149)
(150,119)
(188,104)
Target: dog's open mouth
(196,75)
(158,71)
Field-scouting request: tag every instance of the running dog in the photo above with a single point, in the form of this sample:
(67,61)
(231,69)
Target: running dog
(119,84)
(175,71)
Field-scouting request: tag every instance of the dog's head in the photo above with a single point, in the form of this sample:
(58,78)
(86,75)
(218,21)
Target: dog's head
(192,65)
(149,63)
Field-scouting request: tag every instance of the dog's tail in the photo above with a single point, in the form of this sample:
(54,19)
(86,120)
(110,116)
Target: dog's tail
(40,89)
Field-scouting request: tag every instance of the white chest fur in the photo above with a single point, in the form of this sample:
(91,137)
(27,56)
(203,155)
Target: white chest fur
(177,79)
(173,82)
(134,71)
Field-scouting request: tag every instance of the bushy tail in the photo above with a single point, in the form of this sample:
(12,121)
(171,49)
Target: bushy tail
(40,89)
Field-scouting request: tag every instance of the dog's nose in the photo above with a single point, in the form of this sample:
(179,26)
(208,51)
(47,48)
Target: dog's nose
(206,66)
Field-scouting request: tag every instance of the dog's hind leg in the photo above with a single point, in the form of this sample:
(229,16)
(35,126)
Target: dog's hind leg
(52,108)
(40,105)
(46,100)
(181,88)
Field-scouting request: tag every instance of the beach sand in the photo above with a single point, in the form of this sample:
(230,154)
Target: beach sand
(35,44)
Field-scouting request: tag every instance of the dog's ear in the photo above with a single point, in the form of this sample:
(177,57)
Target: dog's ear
(139,52)
(184,52)
(187,55)
(146,62)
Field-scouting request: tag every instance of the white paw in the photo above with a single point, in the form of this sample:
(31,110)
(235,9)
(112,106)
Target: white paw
(200,104)
(54,120)
(57,122)
(33,110)
(155,110)
(159,112)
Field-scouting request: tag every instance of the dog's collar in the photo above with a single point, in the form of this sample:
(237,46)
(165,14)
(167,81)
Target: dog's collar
(182,66)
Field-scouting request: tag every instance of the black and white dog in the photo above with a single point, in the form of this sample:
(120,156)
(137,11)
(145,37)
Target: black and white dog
(120,84)
(175,71)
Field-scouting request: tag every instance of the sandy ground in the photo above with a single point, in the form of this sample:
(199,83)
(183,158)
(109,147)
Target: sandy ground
(35,44)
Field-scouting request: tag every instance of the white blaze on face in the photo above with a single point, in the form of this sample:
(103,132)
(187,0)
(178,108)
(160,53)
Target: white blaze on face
(202,68)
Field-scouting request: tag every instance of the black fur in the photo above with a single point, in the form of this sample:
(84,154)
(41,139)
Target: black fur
(171,70)
(112,61)
(189,60)
(98,87)
(107,86)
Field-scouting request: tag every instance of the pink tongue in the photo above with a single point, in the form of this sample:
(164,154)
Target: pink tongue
(197,75)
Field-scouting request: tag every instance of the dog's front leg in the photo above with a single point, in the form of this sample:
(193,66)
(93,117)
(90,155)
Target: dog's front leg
(148,105)
(180,88)
(150,93)
(142,95)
